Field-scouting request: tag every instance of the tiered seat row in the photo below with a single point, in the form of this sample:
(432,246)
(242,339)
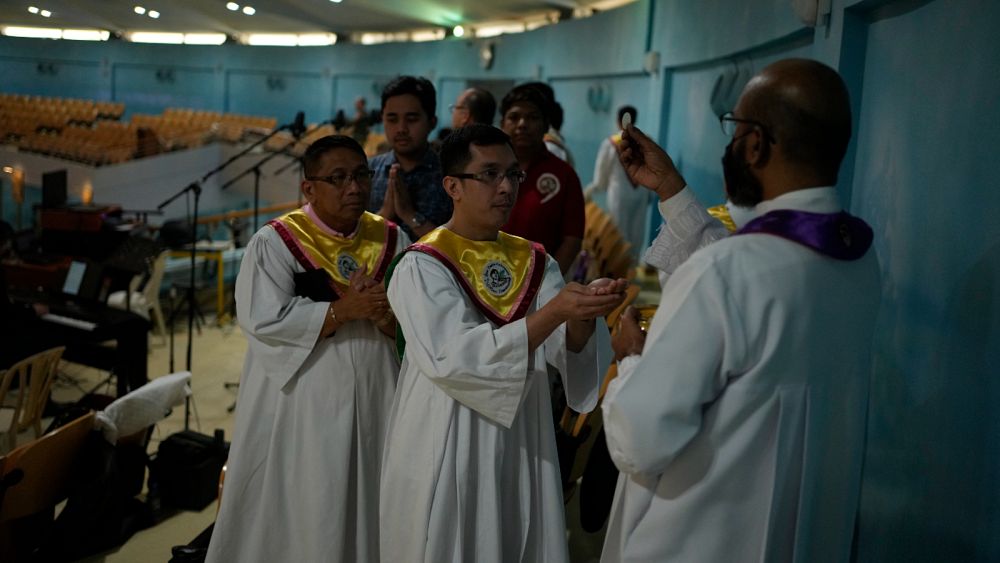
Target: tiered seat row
(90,131)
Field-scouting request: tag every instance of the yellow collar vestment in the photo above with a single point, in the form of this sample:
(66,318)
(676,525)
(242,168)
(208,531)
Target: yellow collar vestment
(501,277)
(317,247)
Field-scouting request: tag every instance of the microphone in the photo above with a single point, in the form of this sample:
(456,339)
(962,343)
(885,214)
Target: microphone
(298,127)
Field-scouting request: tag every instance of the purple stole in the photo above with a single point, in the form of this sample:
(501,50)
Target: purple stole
(837,235)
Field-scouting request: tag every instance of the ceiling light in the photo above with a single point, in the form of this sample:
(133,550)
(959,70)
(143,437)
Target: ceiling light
(139,10)
(336,1)
(232,6)
(204,38)
(33,32)
(8,169)
(458,31)
(427,35)
(248,10)
(156,37)
(154,14)
(33,9)
(85,34)
(316,39)
(272,39)
(45,13)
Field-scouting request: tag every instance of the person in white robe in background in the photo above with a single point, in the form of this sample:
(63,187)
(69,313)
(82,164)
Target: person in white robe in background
(470,471)
(739,430)
(318,379)
(627,202)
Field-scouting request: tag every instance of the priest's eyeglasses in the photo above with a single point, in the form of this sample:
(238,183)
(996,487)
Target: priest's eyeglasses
(494,177)
(363,177)
(728,121)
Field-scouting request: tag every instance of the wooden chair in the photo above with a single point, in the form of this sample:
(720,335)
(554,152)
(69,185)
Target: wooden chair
(36,374)
(38,475)
(607,252)
(6,378)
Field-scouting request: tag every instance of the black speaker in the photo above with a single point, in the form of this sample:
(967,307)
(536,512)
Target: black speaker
(54,189)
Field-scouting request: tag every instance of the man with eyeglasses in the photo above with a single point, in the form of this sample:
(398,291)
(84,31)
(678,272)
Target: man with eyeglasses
(474,105)
(319,374)
(470,471)
(549,208)
(738,422)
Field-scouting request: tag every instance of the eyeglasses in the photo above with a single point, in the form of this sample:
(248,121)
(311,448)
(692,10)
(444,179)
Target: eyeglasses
(453,107)
(495,177)
(728,121)
(362,177)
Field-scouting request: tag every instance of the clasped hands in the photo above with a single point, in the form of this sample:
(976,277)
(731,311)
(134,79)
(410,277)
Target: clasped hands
(396,205)
(365,298)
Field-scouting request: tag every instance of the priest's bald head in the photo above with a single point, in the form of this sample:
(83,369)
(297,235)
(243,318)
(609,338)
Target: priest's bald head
(790,131)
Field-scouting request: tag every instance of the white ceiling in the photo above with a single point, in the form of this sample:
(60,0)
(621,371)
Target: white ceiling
(279,16)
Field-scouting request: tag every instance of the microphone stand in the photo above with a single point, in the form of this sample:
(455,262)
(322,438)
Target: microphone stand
(256,178)
(195,188)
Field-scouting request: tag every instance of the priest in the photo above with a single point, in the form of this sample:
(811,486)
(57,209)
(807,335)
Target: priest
(738,423)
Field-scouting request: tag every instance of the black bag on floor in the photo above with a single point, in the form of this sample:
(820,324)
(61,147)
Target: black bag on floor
(102,512)
(185,471)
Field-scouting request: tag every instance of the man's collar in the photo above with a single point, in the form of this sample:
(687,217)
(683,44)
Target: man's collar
(815,200)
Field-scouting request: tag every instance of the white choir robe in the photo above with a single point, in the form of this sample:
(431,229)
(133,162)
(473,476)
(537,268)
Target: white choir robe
(303,471)
(739,431)
(470,471)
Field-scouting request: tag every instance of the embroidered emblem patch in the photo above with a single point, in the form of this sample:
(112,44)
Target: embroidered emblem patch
(346,265)
(497,278)
(548,185)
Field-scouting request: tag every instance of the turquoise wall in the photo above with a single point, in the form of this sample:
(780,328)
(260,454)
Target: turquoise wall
(925,80)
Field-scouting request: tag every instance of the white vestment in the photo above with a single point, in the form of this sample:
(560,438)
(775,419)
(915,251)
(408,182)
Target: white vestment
(686,227)
(739,431)
(302,477)
(626,202)
(470,471)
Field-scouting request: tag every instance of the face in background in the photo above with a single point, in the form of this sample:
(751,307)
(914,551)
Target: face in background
(406,125)
(525,123)
(481,203)
(339,207)
(460,116)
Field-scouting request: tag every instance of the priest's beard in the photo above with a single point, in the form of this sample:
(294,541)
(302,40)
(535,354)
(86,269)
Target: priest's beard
(742,187)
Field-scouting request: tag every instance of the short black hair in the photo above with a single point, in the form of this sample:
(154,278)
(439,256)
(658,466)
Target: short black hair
(544,88)
(629,110)
(482,106)
(557,116)
(455,149)
(531,94)
(417,86)
(326,144)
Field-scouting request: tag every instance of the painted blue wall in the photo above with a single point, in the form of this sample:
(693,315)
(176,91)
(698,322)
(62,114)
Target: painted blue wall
(924,76)
(925,176)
